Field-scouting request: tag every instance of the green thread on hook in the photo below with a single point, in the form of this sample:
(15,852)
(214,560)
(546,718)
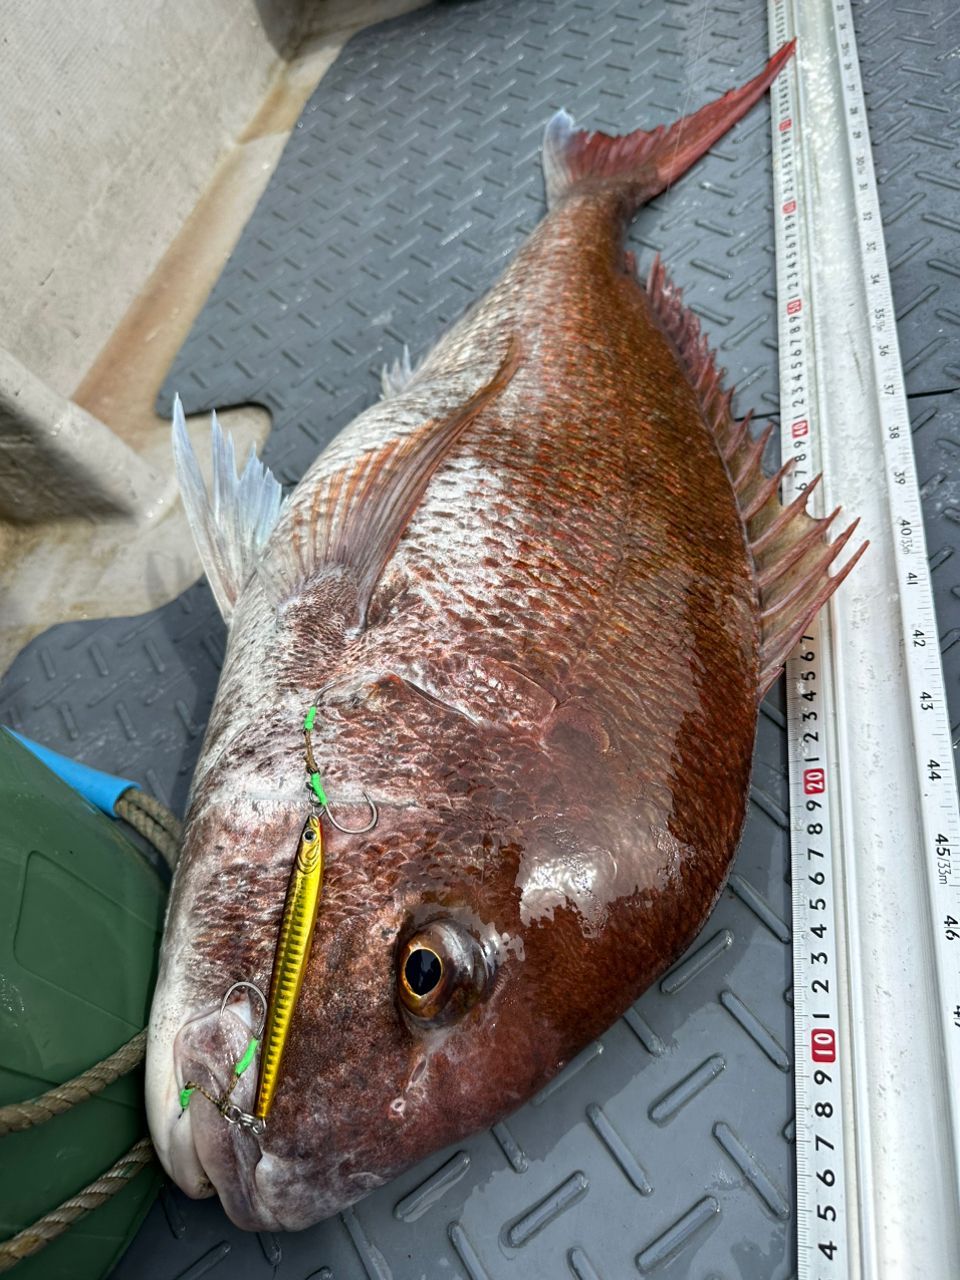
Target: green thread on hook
(185,1095)
(313,773)
(312,770)
(247,1058)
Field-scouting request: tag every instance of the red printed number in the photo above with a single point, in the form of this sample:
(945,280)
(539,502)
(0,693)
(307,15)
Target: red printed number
(790,206)
(793,306)
(799,429)
(785,125)
(814,783)
(823,1045)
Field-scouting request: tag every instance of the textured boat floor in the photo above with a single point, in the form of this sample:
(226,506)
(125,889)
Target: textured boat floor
(665,1149)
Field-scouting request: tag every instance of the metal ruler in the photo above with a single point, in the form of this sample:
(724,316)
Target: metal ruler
(875,834)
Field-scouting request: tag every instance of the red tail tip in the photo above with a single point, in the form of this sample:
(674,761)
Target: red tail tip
(643,163)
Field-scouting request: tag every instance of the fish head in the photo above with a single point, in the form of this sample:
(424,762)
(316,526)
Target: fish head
(389,1054)
(414,1027)
(457,959)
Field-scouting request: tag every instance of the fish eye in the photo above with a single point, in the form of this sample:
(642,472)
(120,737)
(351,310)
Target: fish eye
(442,971)
(422,970)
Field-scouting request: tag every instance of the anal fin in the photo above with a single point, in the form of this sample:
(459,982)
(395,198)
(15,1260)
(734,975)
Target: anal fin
(790,552)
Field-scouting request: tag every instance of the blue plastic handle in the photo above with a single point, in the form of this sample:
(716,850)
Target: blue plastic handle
(101,789)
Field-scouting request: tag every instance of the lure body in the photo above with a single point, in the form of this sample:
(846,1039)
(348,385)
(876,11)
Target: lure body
(290,962)
(539,589)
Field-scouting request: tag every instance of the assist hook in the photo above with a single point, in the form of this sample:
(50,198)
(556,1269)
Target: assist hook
(316,785)
(249,986)
(354,831)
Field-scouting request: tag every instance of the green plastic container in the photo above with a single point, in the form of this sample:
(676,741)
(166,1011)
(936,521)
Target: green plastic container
(81,913)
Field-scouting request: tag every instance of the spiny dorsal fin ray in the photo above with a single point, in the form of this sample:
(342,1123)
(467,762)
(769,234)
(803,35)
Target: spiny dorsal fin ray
(396,377)
(357,517)
(791,556)
(231,526)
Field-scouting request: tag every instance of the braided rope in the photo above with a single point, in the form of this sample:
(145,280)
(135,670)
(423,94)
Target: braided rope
(153,820)
(18,1116)
(53,1224)
(164,831)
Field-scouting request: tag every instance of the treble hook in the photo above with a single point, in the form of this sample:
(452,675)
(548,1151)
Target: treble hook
(249,986)
(354,831)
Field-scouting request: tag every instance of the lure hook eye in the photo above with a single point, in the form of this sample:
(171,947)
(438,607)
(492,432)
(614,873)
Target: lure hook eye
(355,831)
(248,986)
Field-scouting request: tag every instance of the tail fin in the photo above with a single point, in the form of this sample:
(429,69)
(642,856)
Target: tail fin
(642,164)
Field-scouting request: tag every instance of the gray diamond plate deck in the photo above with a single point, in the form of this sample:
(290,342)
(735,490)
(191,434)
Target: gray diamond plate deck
(665,1148)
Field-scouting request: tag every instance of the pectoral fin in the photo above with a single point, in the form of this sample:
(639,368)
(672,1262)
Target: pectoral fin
(358,515)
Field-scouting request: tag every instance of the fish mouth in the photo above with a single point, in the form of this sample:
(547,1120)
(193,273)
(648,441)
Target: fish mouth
(198,1147)
(260,1183)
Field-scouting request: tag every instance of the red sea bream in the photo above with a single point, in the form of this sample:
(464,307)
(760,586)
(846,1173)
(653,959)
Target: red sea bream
(535,595)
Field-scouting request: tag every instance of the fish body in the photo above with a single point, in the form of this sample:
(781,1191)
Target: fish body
(535,595)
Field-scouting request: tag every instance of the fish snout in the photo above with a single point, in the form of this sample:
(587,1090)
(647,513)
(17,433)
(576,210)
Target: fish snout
(201,1081)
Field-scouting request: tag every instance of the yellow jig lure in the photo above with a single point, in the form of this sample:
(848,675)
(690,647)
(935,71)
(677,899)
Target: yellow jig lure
(290,961)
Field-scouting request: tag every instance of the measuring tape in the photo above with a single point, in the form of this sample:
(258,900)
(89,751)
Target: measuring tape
(846,1177)
(820,1134)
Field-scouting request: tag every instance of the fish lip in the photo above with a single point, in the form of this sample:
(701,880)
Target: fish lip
(173,1141)
(171,1127)
(199,1149)
(229,1156)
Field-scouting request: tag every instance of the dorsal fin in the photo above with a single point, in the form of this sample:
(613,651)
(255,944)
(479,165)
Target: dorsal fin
(357,516)
(791,555)
(230,528)
(396,377)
